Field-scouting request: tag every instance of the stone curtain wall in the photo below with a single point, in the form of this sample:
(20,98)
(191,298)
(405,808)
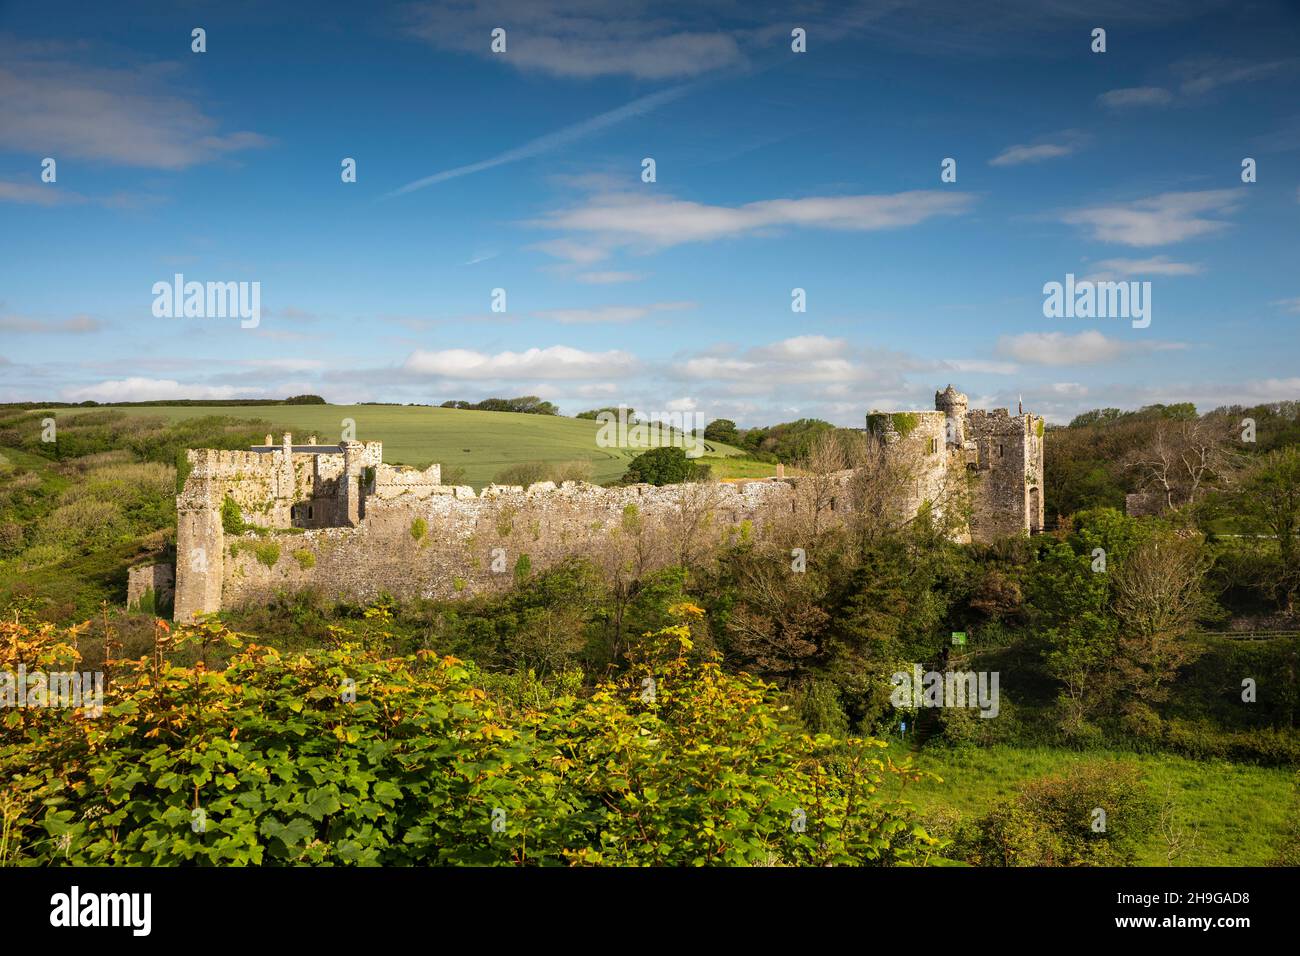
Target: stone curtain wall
(342,521)
(454,543)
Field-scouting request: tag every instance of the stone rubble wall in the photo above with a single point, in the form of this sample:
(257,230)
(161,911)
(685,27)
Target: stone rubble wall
(454,543)
(158,578)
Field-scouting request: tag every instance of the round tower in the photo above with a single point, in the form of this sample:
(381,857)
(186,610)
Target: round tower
(953,404)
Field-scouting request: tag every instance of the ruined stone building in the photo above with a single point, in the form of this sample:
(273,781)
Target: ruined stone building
(991,461)
(282,517)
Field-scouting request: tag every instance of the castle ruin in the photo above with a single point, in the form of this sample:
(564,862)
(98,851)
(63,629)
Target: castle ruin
(279,517)
(1001,454)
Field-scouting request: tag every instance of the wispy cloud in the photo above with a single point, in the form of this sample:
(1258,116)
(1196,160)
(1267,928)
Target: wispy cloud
(641,40)
(152,390)
(611,314)
(42,194)
(552,141)
(1201,75)
(661,222)
(1157,220)
(1061,144)
(1108,269)
(130,116)
(554,362)
(77,325)
(609,278)
(1083,348)
(981,366)
(1136,97)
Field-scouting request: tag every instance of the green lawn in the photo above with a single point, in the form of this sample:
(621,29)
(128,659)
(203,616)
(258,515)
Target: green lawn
(1238,811)
(482,443)
(739,467)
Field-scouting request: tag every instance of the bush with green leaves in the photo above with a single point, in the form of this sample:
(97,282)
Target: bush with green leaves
(1096,814)
(664,466)
(343,757)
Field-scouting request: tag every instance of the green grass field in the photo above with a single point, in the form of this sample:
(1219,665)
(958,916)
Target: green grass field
(482,443)
(1238,812)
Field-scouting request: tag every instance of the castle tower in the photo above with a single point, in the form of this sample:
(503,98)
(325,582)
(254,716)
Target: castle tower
(284,476)
(953,404)
(200,551)
(350,483)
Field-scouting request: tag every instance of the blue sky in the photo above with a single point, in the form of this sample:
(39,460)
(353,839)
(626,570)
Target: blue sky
(775,170)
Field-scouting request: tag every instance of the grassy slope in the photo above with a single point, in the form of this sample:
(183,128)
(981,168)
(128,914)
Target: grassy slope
(1240,811)
(480,442)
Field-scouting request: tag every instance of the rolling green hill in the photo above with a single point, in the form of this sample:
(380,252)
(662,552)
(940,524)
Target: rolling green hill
(482,443)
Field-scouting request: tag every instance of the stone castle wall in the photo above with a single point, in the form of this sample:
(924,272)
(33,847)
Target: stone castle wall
(455,543)
(1007,496)
(338,519)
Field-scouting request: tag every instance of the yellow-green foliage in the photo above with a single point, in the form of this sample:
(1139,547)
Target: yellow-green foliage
(631,518)
(232,521)
(306,560)
(506,520)
(266,552)
(421,764)
(419,528)
(904,423)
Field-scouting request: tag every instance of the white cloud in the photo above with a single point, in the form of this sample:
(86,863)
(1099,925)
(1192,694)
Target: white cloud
(660,222)
(555,362)
(611,314)
(1136,96)
(43,194)
(1111,269)
(1158,220)
(801,348)
(1083,348)
(609,278)
(77,325)
(1290,305)
(287,364)
(589,39)
(1273,389)
(126,116)
(821,366)
(981,366)
(579,253)
(1204,74)
(1016,155)
(151,389)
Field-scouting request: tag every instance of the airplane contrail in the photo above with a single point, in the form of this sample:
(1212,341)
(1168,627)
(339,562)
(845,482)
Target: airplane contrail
(544,144)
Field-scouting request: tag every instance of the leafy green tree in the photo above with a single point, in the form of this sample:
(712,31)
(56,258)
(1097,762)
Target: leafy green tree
(1270,497)
(628,413)
(721,429)
(667,465)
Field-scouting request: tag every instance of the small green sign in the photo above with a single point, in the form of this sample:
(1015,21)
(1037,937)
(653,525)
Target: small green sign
(958,638)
